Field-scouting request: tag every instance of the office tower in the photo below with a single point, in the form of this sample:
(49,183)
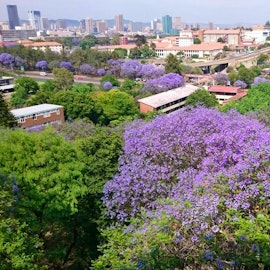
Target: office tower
(177,23)
(102,26)
(89,25)
(119,23)
(82,25)
(60,24)
(167,24)
(35,19)
(210,26)
(13,17)
(45,23)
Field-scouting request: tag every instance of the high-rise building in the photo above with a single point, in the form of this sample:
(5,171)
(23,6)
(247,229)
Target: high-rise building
(89,25)
(177,23)
(45,23)
(35,19)
(13,17)
(119,23)
(210,26)
(101,26)
(167,24)
(60,24)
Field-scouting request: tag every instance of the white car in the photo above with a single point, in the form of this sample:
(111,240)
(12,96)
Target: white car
(43,74)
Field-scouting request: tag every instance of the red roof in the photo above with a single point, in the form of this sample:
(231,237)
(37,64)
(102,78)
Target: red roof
(224,89)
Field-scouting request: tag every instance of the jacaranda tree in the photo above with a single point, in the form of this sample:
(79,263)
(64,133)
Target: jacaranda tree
(192,190)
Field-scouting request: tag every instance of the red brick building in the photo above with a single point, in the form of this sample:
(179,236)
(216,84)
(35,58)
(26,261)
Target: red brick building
(39,115)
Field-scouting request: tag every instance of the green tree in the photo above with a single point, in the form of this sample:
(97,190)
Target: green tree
(172,64)
(262,59)
(110,78)
(19,98)
(117,105)
(77,105)
(197,41)
(88,42)
(46,179)
(202,97)
(7,119)
(30,85)
(120,52)
(64,79)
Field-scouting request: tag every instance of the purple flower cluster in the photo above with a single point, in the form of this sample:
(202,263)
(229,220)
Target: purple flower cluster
(107,85)
(258,80)
(196,158)
(7,59)
(221,79)
(130,69)
(42,64)
(67,65)
(163,83)
(87,69)
(240,83)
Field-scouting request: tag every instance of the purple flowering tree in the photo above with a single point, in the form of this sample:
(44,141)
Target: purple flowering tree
(87,69)
(114,67)
(43,65)
(7,59)
(131,69)
(240,83)
(148,71)
(66,65)
(107,86)
(201,179)
(101,72)
(221,79)
(258,80)
(163,83)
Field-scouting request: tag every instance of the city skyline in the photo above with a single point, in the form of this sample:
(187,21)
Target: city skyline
(223,11)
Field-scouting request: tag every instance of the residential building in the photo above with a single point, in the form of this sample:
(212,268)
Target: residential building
(224,93)
(4,26)
(6,84)
(39,115)
(34,18)
(89,25)
(119,23)
(102,27)
(185,38)
(52,45)
(13,17)
(167,24)
(167,101)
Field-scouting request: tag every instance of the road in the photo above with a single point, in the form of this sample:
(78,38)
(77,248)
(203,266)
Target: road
(50,76)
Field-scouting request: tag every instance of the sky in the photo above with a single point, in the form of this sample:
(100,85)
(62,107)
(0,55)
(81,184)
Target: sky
(191,11)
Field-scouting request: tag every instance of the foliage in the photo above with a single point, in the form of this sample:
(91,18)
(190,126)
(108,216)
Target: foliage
(88,42)
(77,105)
(194,188)
(172,64)
(262,59)
(114,67)
(197,41)
(29,84)
(163,83)
(116,105)
(221,79)
(7,119)
(148,71)
(202,97)
(67,65)
(257,98)
(83,88)
(63,78)
(110,78)
(47,181)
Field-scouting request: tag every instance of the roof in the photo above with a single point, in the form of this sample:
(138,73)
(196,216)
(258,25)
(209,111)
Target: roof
(34,110)
(222,32)
(42,44)
(193,47)
(224,89)
(160,99)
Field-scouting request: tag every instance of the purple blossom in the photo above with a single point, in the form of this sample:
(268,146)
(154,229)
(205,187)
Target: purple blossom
(240,83)
(221,79)
(164,83)
(66,65)
(7,59)
(87,69)
(258,80)
(101,72)
(42,65)
(107,86)
(131,69)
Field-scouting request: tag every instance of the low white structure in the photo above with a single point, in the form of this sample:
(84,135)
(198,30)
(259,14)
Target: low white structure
(167,101)
(6,84)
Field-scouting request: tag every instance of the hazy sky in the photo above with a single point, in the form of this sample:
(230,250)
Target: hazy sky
(191,11)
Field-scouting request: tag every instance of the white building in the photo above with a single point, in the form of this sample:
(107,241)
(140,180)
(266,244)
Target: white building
(35,19)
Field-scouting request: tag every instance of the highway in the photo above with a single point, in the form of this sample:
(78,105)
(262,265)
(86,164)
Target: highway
(50,76)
